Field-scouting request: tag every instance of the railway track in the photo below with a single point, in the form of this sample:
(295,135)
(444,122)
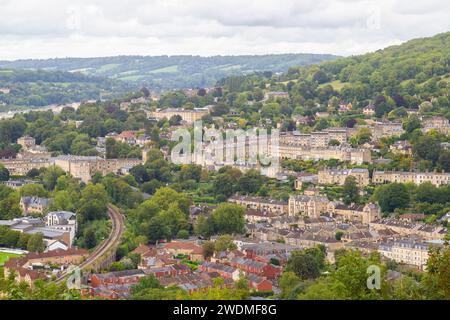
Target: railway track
(110,243)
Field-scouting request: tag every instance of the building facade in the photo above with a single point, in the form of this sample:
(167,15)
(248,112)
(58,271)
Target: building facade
(436,178)
(338,176)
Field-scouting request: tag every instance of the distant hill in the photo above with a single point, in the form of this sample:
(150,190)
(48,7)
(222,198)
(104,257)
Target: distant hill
(416,68)
(35,88)
(170,72)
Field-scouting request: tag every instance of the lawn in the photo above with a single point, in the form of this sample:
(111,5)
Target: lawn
(6,256)
(336,84)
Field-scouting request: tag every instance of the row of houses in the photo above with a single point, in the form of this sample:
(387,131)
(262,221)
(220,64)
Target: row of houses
(80,167)
(313,206)
(338,176)
(35,266)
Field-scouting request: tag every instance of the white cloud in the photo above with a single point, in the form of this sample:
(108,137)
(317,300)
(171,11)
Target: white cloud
(60,28)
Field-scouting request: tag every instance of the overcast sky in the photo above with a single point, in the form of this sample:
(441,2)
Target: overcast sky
(60,28)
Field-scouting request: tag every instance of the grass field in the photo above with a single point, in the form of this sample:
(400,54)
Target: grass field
(131,78)
(170,69)
(6,256)
(108,67)
(336,84)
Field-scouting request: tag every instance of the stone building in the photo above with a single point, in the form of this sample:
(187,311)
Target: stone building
(436,178)
(338,176)
(355,156)
(30,205)
(311,206)
(387,129)
(261,204)
(84,168)
(355,213)
(26,142)
(440,124)
(186,115)
(407,252)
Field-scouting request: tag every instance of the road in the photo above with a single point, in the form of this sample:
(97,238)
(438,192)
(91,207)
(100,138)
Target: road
(112,241)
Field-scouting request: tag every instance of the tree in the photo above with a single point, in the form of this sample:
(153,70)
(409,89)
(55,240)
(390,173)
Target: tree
(151,186)
(226,180)
(392,196)
(251,181)
(183,234)
(204,226)
(220,109)
(411,124)
(320,77)
(145,92)
(363,135)
(338,235)
(175,120)
(334,143)
(50,177)
(157,229)
(224,243)
(90,240)
(190,172)
(228,218)
(166,197)
(351,190)
(36,243)
(307,264)
(140,173)
(92,204)
(33,190)
(444,161)
(9,206)
(427,147)
(4,173)
(289,284)
(208,249)
(437,279)
(62,200)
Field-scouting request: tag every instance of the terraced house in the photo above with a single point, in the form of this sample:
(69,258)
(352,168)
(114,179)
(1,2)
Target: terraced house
(338,176)
(355,213)
(311,206)
(408,252)
(436,178)
(262,204)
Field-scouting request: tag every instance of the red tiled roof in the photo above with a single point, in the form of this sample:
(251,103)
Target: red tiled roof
(127,134)
(142,249)
(57,253)
(175,245)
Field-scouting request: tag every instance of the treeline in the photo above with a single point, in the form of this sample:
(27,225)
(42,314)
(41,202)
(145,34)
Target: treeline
(35,88)
(20,240)
(164,72)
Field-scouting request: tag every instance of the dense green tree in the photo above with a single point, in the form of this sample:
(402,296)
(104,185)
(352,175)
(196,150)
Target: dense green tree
(250,182)
(33,190)
(427,147)
(36,243)
(4,173)
(208,249)
(224,243)
(392,196)
(228,218)
(307,264)
(351,190)
(93,202)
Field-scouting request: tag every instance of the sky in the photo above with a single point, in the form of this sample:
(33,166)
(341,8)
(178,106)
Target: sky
(95,28)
